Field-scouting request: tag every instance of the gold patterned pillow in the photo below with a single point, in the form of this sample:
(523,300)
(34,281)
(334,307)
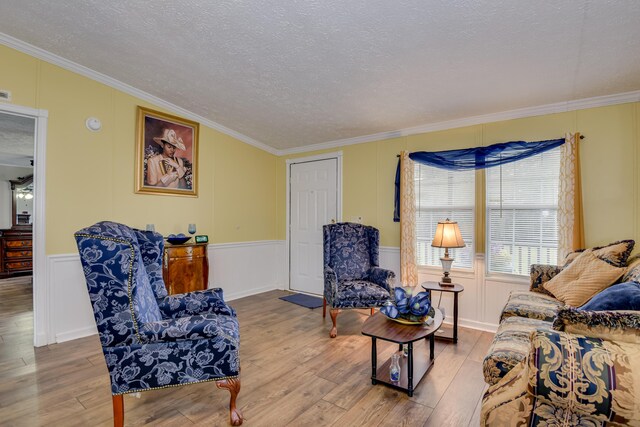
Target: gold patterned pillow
(582,279)
(615,253)
(632,273)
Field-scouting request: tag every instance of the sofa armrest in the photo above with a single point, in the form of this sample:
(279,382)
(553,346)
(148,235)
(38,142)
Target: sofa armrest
(381,277)
(570,380)
(540,274)
(194,303)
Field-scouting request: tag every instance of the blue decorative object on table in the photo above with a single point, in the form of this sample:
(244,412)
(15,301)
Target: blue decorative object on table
(408,308)
(177,239)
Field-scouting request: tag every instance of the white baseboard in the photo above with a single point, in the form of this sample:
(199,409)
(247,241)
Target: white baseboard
(247,293)
(75,334)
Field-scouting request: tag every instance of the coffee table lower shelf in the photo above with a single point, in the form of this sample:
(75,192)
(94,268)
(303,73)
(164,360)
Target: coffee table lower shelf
(421,365)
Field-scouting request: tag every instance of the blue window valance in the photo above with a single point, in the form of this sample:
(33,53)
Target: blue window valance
(475,158)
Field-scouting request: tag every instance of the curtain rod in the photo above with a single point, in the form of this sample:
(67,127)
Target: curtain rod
(581,137)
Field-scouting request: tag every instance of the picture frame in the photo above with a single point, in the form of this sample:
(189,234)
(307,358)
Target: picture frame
(166,154)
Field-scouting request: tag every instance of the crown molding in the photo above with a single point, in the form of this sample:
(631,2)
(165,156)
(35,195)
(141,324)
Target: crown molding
(559,107)
(47,56)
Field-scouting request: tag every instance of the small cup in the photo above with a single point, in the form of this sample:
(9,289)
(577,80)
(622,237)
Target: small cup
(151,227)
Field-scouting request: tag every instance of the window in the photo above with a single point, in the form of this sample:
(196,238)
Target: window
(442,194)
(522,213)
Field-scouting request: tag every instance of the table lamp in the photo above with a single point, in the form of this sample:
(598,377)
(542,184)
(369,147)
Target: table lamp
(447,236)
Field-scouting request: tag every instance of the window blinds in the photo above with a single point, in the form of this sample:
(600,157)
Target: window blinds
(522,211)
(442,194)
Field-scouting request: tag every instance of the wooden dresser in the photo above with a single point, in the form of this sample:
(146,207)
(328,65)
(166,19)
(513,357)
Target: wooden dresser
(15,252)
(185,267)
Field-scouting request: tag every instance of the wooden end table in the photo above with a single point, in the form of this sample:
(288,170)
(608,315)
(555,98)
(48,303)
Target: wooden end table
(412,368)
(456,288)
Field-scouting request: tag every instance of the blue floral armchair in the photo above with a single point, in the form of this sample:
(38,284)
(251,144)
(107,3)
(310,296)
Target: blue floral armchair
(152,340)
(352,278)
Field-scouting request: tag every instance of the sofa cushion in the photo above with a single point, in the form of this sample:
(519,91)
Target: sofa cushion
(532,305)
(610,325)
(615,253)
(623,296)
(582,279)
(510,346)
(360,294)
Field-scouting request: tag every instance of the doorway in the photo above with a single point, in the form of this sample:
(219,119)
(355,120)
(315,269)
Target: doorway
(22,151)
(314,198)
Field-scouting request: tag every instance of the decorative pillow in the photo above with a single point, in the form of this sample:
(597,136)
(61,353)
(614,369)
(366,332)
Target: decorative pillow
(633,270)
(583,278)
(609,325)
(615,253)
(541,274)
(571,256)
(623,296)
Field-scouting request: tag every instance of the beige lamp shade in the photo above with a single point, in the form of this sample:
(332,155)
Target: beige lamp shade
(448,235)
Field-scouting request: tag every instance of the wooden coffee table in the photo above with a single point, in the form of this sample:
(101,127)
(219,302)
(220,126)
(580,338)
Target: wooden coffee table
(416,364)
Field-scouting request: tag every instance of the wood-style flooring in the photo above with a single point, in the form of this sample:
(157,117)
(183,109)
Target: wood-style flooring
(292,374)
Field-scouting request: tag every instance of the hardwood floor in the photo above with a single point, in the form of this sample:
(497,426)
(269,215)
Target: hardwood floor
(292,374)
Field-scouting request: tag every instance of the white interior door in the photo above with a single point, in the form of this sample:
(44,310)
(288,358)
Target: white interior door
(313,203)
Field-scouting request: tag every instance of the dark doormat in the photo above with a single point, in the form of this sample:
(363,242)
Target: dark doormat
(304,300)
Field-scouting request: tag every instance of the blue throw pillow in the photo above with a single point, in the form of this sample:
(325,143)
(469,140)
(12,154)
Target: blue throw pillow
(623,296)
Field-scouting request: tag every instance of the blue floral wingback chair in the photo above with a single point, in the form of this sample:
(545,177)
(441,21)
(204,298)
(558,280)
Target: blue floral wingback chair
(152,340)
(352,278)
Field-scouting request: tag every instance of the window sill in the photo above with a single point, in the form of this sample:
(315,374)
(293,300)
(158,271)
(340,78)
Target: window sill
(468,273)
(515,279)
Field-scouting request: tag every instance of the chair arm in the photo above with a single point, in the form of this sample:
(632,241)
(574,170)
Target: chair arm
(540,274)
(330,285)
(192,303)
(381,277)
(205,326)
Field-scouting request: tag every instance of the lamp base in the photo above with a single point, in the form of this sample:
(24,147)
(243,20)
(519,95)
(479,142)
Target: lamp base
(446,284)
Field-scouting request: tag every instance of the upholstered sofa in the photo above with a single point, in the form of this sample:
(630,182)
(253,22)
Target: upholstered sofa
(551,364)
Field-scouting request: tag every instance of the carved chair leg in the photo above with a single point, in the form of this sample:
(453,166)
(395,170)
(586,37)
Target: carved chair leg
(334,316)
(118,411)
(233,385)
(324,308)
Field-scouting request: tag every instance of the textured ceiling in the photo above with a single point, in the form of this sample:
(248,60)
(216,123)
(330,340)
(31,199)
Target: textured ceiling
(295,73)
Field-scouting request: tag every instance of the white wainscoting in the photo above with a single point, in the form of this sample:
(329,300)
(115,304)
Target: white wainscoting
(247,268)
(483,298)
(250,268)
(241,269)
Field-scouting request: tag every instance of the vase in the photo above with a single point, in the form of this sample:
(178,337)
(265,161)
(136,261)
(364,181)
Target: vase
(394,369)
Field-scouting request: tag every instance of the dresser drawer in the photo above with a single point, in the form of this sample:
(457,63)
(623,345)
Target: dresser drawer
(17,243)
(18,265)
(18,254)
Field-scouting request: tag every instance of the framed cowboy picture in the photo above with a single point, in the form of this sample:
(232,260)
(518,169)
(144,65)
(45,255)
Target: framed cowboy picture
(166,154)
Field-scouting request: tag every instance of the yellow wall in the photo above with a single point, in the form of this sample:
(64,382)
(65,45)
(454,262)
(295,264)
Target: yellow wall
(90,176)
(610,160)
(242,190)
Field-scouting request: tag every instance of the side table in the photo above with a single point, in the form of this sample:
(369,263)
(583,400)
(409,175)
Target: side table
(416,364)
(455,289)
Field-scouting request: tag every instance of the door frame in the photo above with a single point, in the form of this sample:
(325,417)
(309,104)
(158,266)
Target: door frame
(41,323)
(324,156)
